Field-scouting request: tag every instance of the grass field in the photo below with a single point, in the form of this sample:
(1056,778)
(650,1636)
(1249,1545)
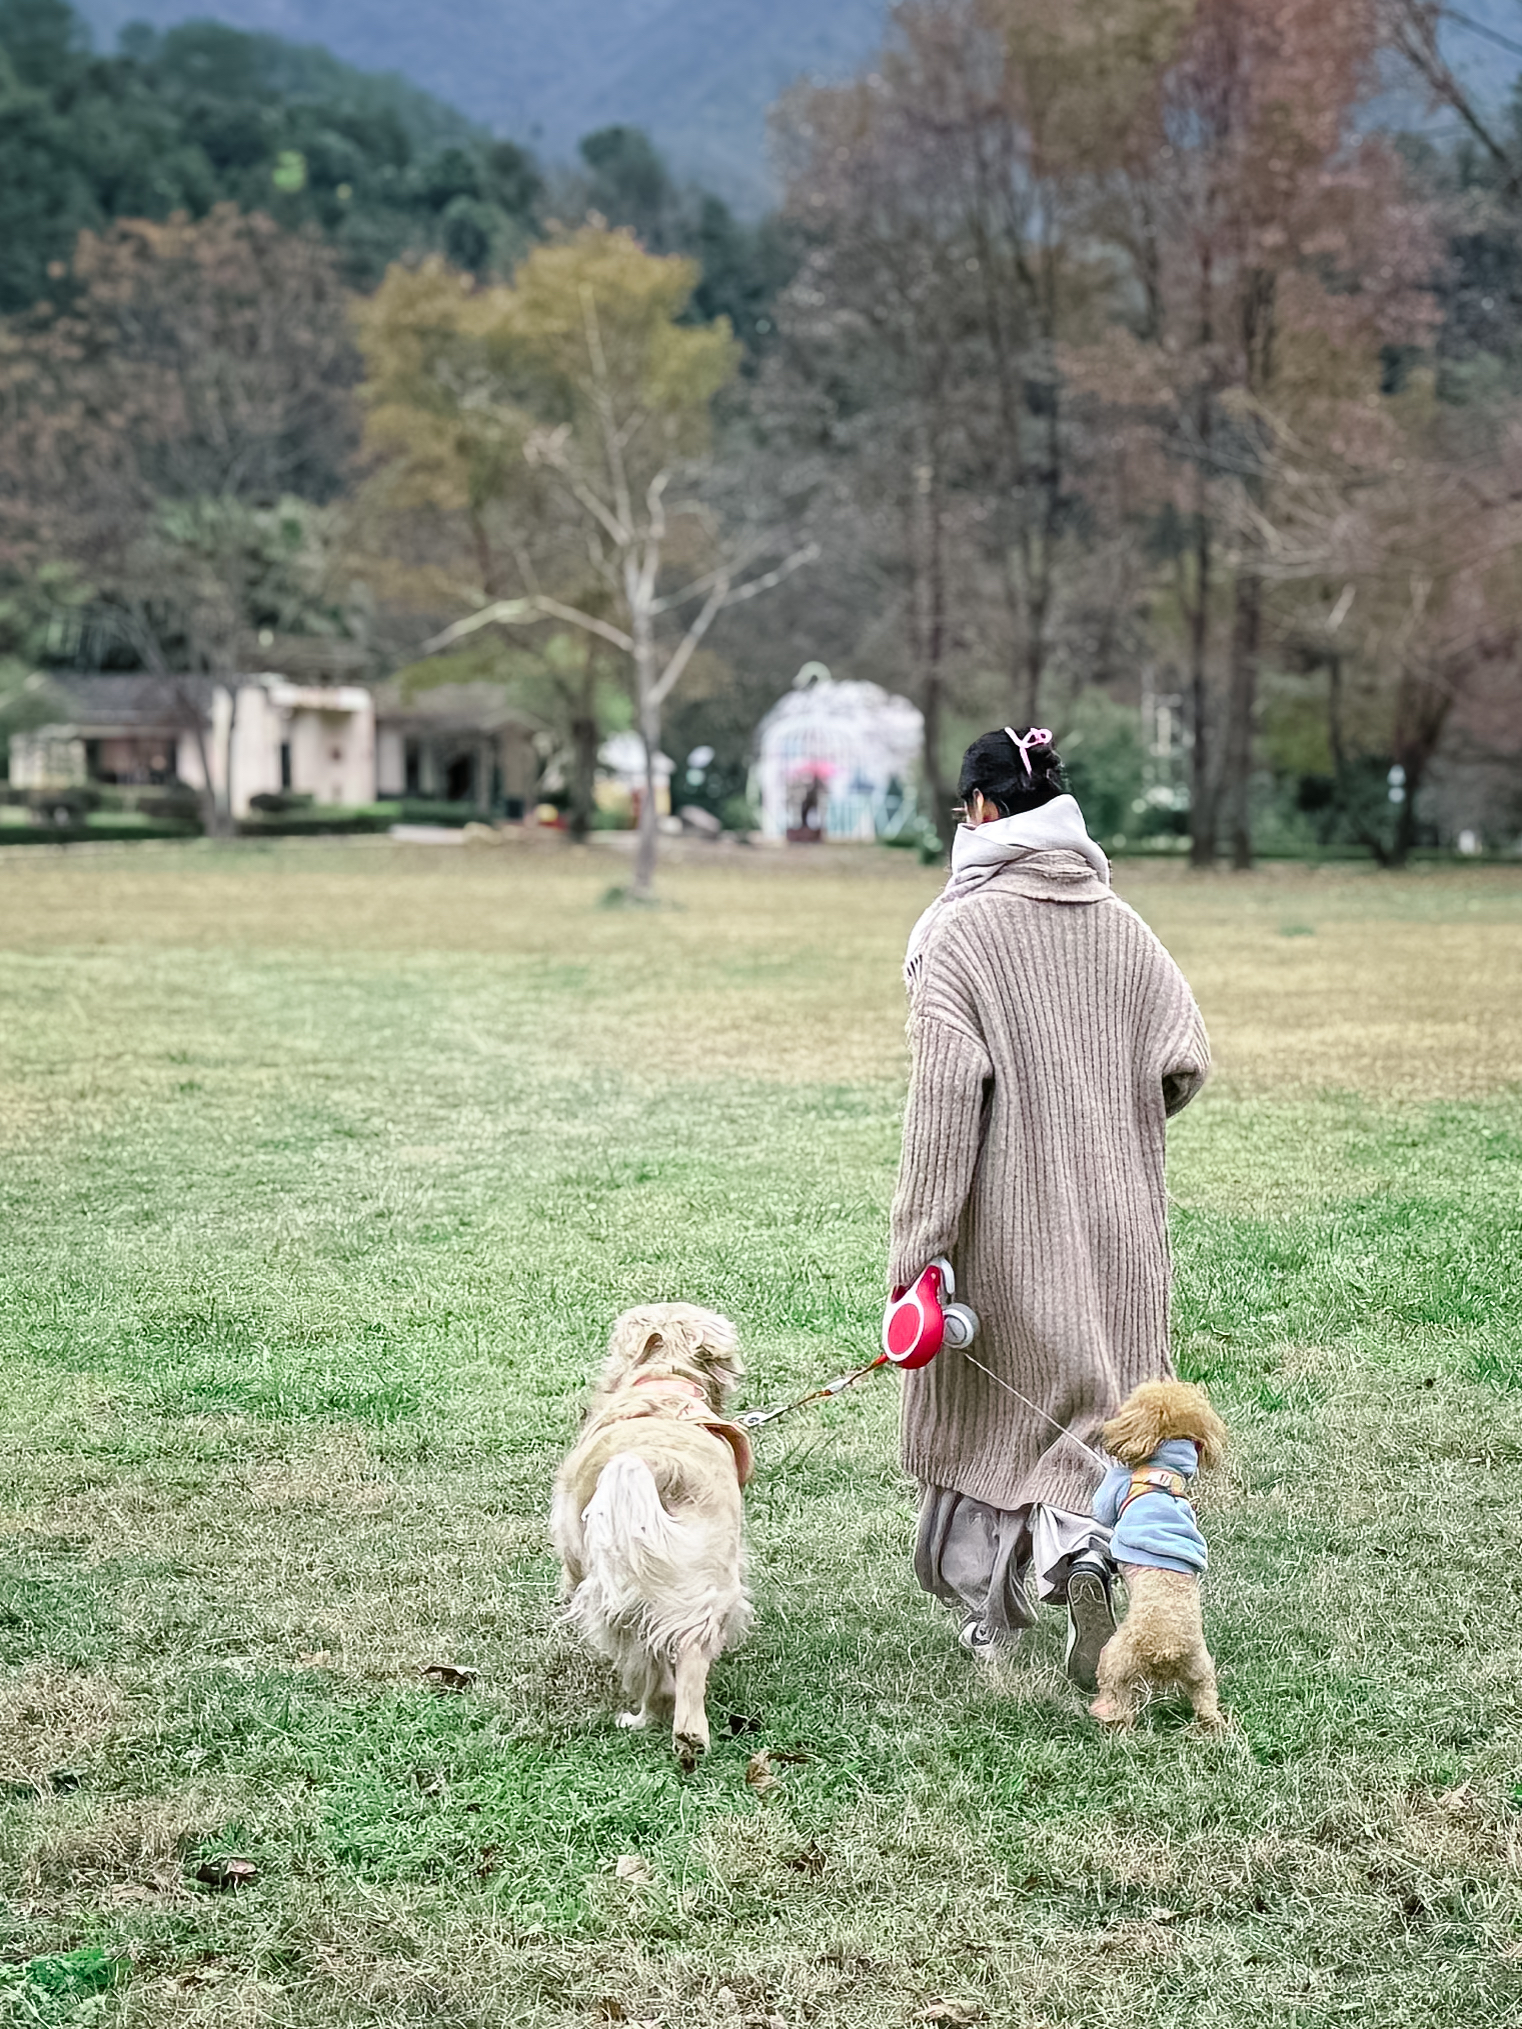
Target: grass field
(322,1172)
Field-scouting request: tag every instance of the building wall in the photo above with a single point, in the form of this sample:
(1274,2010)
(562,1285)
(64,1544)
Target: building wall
(330,734)
(53,757)
(503,762)
(390,762)
(519,764)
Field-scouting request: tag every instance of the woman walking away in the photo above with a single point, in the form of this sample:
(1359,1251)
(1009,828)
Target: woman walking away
(1052,1036)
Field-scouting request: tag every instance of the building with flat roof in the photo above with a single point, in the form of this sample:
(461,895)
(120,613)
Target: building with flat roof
(260,735)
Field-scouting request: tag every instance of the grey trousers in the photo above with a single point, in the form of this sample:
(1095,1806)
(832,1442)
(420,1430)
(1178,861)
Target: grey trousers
(982,1559)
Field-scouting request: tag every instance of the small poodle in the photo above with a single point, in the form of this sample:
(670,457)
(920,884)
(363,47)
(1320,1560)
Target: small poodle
(1163,1433)
(647,1516)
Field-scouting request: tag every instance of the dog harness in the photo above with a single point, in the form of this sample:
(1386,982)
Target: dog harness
(1153,1479)
(685,1402)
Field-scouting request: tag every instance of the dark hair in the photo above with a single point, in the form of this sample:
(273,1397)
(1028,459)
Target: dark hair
(994,764)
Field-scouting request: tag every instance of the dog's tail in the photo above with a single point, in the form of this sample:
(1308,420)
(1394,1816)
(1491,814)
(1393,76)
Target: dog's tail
(647,1574)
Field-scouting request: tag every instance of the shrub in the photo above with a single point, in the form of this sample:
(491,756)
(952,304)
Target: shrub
(1106,764)
(281,802)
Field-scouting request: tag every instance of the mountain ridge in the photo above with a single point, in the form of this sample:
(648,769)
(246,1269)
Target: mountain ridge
(697,75)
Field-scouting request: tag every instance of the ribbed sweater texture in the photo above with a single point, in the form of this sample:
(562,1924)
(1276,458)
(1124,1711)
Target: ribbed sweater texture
(1052,1035)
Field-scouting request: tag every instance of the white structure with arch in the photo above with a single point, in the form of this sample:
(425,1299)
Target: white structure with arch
(837,760)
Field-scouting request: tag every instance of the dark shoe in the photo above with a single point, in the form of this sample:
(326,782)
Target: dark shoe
(1091,1621)
(982,1646)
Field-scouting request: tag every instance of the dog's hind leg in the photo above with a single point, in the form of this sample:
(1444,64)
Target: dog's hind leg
(1199,1680)
(689,1731)
(1119,1684)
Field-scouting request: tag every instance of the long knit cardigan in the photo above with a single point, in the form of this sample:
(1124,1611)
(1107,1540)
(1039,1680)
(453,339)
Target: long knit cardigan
(1052,1035)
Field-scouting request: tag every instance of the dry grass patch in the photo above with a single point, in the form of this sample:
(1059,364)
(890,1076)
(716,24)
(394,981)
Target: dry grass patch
(51,1720)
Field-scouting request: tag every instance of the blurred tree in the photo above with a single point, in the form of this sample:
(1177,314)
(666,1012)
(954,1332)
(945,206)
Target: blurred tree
(1106,766)
(742,266)
(612,396)
(629,185)
(1268,242)
(153,435)
(949,267)
(452,511)
(1401,549)
(204,113)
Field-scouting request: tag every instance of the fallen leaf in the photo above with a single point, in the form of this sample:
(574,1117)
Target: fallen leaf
(228,1873)
(811,1860)
(632,1867)
(489,1862)
(450,1676)
(609,2009)
(954,2012)
(758,1773)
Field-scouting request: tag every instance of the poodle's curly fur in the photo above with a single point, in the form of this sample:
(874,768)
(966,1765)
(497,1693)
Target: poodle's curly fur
(1161,1641)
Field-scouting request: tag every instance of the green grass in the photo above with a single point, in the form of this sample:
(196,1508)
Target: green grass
(322,1173)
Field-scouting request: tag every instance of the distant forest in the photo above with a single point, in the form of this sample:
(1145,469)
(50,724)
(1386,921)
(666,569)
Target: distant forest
(203,114)
(1142,384)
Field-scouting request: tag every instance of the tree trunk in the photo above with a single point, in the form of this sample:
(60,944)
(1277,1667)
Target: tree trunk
(1049,479)
(931,701)
(229,741)
(649,714)
(1241,714)
(1202,813)
(1424,703)
(926,541)
(1416,757)
(1366,835)
(1259,325)
(583,767)
(211,816)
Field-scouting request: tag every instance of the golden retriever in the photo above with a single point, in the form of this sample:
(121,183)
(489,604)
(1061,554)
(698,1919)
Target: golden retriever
(647,1516)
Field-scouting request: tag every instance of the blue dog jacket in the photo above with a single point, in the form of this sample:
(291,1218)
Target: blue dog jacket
(1153,1527)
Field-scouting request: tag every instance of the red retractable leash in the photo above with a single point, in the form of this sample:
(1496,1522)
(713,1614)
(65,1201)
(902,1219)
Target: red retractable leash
(919,1320)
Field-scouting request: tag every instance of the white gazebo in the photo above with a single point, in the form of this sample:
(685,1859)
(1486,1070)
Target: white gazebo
(837,760)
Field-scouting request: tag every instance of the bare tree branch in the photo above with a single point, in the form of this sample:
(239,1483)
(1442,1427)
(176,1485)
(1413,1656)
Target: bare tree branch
(807,555)
(671,675)
(1413,30)
(522,612)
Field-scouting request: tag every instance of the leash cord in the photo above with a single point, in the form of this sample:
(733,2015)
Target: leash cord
(753,1419)
(1061,1428)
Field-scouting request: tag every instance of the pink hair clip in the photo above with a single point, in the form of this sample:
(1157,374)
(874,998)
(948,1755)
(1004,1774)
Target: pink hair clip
(1038,736)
